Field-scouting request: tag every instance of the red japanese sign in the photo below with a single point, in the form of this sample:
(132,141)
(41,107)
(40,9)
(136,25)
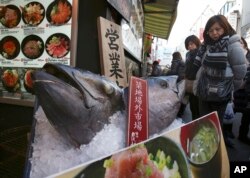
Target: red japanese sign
(137,111)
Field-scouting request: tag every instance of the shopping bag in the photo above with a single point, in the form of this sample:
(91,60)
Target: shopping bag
(229,114)
(214,89)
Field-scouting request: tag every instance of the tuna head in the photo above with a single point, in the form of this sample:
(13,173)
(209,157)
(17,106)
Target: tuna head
(164,98)
(77,103)
(164,95)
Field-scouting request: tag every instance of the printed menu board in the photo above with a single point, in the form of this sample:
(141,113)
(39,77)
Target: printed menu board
(33,33)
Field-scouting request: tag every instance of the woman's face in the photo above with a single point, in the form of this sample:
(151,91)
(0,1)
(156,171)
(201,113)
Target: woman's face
(215,31)
(191,46)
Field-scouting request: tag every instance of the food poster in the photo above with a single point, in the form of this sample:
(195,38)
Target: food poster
(194,150)
(16,83)
(32,33)
(35,32)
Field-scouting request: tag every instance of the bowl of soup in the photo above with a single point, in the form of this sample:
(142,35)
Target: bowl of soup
(201,141)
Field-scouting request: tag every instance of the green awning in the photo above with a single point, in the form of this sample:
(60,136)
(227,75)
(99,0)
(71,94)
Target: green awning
(159,17)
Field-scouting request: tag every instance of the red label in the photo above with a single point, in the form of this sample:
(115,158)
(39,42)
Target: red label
(137,111)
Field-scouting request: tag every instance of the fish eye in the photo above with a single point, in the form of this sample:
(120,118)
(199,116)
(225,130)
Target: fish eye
(164,84)
(108,88)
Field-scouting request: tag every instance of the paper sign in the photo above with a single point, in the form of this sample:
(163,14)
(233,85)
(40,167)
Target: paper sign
(137,111)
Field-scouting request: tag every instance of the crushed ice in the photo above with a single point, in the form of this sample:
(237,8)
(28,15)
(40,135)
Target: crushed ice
(50,153)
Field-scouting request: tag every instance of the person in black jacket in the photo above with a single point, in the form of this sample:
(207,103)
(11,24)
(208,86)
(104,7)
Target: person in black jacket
(156,69)
(177,66)
(242,100)
(192,44)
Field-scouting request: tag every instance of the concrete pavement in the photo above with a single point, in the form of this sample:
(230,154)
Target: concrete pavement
(241,151)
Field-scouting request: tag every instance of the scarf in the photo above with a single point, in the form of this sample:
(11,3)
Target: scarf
(216,56)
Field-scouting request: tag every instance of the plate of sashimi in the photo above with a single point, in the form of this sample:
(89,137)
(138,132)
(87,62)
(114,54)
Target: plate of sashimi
(158,158)
(58,45)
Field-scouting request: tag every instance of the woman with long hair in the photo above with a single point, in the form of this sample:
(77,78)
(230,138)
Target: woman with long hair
(223,67)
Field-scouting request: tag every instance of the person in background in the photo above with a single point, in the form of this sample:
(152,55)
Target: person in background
(220,56)
(242,101)
(156,69)
(192,44)
(149,68)
(177,66)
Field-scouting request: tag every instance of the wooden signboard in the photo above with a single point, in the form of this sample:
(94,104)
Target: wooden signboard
(137,111)
(111,51)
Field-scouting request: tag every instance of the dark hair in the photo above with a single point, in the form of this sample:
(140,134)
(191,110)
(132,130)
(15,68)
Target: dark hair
(222,20)
(194,39)
(245,44)
(177,55)
(155,63)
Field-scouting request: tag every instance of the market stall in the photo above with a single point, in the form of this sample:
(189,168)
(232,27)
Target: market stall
(59,33)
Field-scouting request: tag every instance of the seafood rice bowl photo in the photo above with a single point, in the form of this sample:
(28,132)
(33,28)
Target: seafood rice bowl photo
(59,12)
(32,46)
(158,158)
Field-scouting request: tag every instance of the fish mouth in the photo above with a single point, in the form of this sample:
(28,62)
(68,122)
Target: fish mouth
(44,81)
(46,84)
(68,77)
(91,89)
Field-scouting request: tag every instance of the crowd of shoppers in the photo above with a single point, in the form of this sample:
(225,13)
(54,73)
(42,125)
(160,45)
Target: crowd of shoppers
(219,71)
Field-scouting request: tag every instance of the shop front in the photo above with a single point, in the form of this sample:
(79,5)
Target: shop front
(103,37)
